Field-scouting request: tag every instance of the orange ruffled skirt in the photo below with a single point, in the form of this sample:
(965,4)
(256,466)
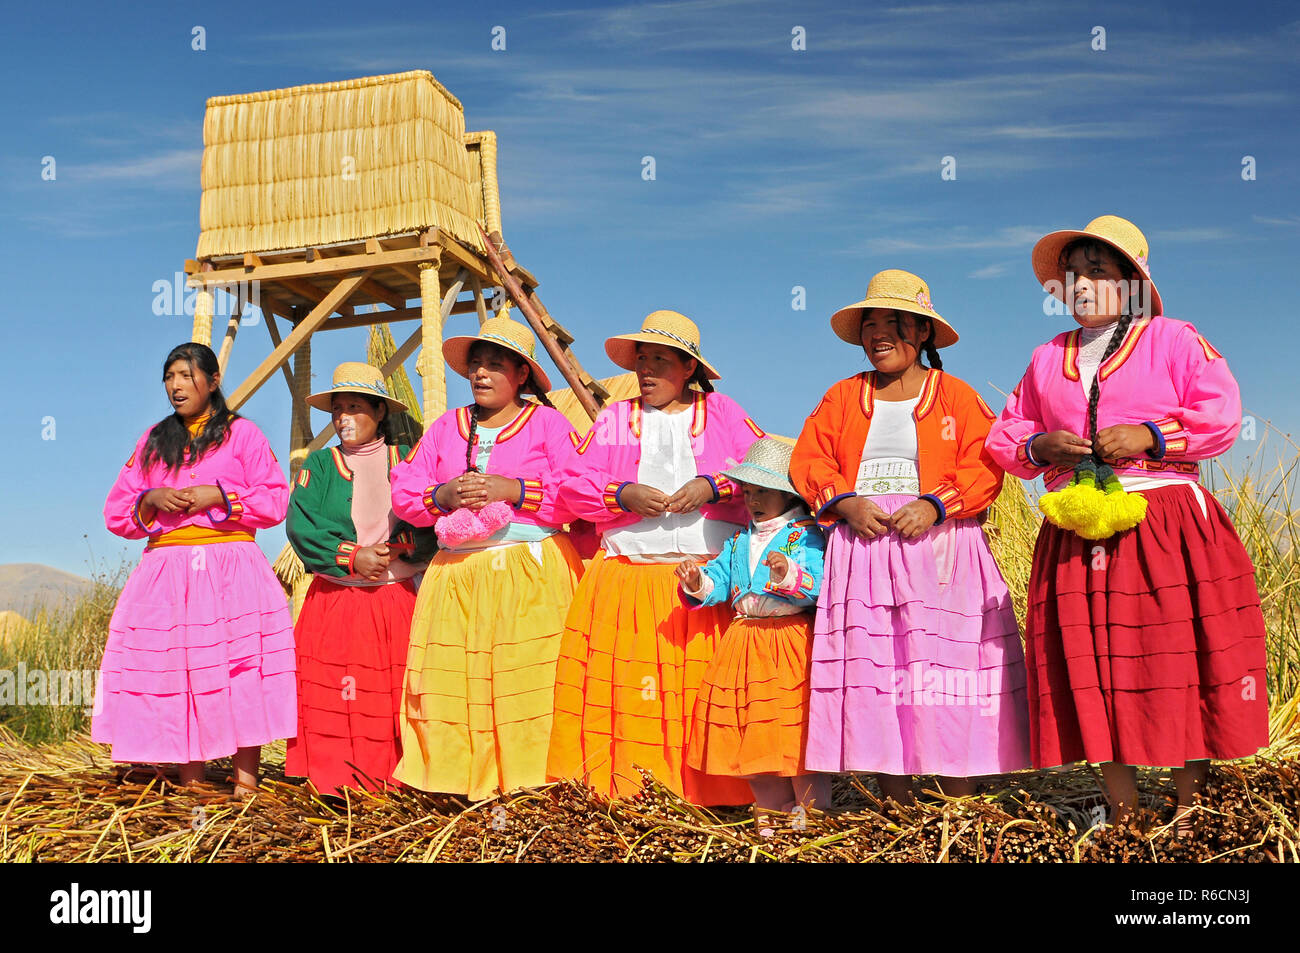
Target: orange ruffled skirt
(480,672)
(751,716)
(631,665)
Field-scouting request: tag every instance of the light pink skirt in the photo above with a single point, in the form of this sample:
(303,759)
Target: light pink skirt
(200,657)
(917,666)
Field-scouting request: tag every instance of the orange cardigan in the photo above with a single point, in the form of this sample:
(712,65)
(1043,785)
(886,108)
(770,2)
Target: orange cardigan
(957,474)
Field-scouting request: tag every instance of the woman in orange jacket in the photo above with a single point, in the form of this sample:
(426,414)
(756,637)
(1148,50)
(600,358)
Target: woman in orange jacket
(917,666)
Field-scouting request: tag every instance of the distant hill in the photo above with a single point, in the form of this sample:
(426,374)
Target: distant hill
(24,585)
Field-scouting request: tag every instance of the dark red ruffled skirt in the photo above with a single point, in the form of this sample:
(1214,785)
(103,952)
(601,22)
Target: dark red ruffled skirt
(1147,648)
(351,645)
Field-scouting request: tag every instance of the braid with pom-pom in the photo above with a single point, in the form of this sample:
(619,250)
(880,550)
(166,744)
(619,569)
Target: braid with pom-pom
(1094,393)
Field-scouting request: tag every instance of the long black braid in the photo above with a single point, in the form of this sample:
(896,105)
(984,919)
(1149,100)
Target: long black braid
(931,352)
(1094,393)
(471,465)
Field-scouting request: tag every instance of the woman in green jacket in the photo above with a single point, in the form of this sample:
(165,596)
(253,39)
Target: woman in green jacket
(352,632)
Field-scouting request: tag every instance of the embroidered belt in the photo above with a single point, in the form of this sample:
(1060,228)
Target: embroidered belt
(199,536)
(1136,465)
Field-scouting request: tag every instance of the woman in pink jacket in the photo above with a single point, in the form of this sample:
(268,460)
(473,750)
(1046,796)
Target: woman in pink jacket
(1145,643)
(200,659)
(480,671)
(648,476)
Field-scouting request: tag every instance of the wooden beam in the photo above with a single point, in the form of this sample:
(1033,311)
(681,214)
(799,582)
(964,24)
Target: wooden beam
(373,287)
(410,271)
(466,258)
(479,304)
(272,330)
(228,342)
(301,332)
(328,266)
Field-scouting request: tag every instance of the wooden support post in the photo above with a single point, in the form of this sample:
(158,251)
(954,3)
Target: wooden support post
(300,333)
(272,330)
(479,304)
(430,363)
(228,342)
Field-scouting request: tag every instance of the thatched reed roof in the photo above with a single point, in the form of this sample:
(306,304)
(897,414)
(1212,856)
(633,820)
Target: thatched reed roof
(337,162)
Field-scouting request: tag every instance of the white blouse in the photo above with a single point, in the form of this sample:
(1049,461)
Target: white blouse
(889,457)
(667,464)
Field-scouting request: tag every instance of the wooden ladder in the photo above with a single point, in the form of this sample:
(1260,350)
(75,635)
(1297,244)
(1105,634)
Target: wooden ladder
(520,284)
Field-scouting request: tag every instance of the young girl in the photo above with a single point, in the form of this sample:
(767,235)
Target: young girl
(480,674)
(200,661)
(355,623)
(1145,645)
(647,476)
(917,666)
(751,715)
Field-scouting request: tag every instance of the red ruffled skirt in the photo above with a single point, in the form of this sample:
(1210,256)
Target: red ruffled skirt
(352,644)
(1147,648)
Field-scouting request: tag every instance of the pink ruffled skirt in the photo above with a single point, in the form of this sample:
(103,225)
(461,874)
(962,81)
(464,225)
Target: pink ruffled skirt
(200,657)
(917,666)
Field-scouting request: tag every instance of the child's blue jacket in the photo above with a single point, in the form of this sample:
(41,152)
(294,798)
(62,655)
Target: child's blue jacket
(800,540)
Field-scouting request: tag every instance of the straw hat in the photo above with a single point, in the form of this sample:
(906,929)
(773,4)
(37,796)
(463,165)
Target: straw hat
(767,464)
(660,327)
(1119,233)
(354,377)
(898,291)
(503,332)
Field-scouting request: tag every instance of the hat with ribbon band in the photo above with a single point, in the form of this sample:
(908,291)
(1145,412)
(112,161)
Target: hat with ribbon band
(354,377)
(766,464)
(660,327)
(503,332)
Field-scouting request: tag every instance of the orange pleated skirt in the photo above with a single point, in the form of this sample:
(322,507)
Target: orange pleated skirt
(751,715)
(631,664)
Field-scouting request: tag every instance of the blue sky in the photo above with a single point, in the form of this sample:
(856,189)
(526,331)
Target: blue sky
(774,168)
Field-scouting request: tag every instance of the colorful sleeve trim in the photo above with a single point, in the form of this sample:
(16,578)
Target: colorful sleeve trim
(135,515)
(611,496)
(712,483)
(755,428)
(1211,353)
(937,504)
(950,498)
(723,487)
(431,499)
(828,498)
(586,441)
(799,582)
(304,478)
(530,496)
(1025,455)
(234,508)
(1158,451)
(346,555)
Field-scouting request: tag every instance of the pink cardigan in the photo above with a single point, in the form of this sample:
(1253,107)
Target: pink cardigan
(535,448)
(243,467)
(608,456)
(1165,375)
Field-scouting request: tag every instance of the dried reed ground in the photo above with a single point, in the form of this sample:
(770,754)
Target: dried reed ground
(61,799)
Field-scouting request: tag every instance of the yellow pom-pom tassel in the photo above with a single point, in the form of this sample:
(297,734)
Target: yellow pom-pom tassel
(1124,510)
(1072,506)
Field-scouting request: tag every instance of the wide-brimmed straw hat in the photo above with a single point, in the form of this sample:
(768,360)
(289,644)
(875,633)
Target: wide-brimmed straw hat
(503,332)
(1119,233)
(898,291)
(660,327)
(354,377)
(766,464)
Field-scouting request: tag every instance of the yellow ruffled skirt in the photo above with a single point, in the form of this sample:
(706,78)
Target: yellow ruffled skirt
(479,691)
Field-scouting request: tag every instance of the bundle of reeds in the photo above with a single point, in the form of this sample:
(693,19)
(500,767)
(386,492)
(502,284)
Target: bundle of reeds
(67,804)
(334,162)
